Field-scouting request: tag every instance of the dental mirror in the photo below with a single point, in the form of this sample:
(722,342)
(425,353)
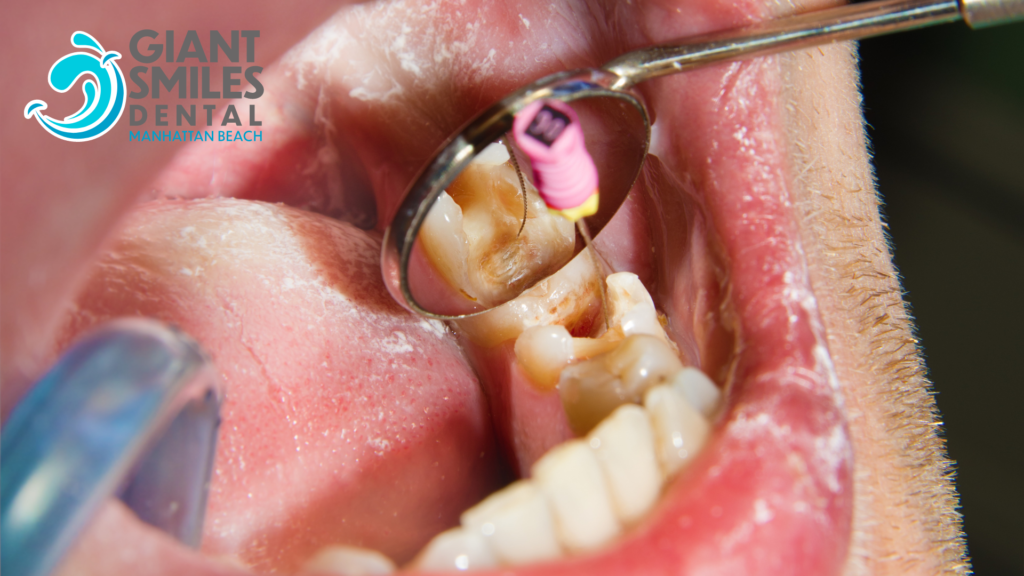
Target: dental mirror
(464,240)
(458,245)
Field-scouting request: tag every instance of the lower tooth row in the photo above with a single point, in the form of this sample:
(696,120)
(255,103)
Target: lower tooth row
(584,492)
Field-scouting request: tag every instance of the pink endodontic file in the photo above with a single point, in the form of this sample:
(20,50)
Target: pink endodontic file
(549,133)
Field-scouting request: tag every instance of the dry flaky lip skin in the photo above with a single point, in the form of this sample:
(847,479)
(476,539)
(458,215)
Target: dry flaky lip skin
(775,150)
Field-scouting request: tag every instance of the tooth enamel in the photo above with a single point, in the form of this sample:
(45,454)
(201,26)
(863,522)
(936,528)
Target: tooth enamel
(494,154)
(570,478)
(570,295)
(592,389)
(473,238)
(543,351)
(442,233)
(624,444)
(455,549)
(679,430)
(516,522)
(349,561)
(632,308)
(698,389)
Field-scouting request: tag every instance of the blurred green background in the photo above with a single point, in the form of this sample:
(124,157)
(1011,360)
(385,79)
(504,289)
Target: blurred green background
(946,113)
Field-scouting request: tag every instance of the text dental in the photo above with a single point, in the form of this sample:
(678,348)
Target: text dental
(193,82)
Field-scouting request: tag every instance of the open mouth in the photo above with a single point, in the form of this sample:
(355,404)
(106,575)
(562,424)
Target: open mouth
(352,422)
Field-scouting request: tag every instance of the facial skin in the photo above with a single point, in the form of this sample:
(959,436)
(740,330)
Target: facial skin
(56,220)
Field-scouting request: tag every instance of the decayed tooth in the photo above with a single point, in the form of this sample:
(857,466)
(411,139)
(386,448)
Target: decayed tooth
(478,247)
(543,351)
(624,444)
(455,549)
(349,561)
(698,389)
(570,295)
(632,308)
(516,522)
(679,429)
(592,389)
(570,478)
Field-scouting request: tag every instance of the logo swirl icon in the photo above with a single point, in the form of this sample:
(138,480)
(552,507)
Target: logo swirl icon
(104,92)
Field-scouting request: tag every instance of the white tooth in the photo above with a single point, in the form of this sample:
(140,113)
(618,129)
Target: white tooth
(632,308)
(349,561)
(516,522)
(455,549)
(494,154)
(624,444)
(698,389)
(442,234)
(543,351)
(679,430)
(570,478)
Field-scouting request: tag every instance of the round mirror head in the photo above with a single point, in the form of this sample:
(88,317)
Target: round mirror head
(474,231)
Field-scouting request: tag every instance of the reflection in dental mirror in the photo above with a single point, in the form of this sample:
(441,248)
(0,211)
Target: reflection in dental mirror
(490,234)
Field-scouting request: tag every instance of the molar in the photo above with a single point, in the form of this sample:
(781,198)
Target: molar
(472,234)
(592,389)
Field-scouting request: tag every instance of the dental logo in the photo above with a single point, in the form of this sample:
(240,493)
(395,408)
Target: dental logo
(104,92)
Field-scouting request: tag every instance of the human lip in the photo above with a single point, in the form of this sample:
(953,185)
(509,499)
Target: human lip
(783,384)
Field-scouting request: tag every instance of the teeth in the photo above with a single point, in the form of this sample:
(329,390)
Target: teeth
(631,307)
(455,549)
(584,492)
(472,233)
(624,445)
(349,561)
(567,297)
(571,479)
(517,524)
(698,389)
(543,351)
(592,389)
(679,429)
(442,233)
(494,155)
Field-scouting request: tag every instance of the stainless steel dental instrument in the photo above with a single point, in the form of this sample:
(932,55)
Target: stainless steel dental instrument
(131,409)
(617,125)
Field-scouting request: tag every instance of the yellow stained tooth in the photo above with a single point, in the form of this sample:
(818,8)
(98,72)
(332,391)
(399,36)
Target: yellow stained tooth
(471,235)
(642,361)
(592,389)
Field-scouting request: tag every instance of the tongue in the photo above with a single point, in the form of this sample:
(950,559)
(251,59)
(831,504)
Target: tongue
(348,420)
